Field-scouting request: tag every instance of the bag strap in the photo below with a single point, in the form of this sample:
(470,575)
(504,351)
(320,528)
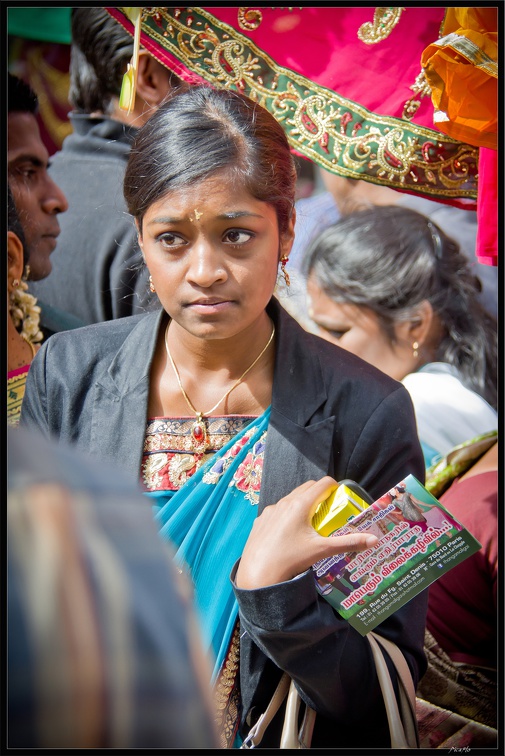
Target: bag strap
(291,737)
(255,734)
(402,721)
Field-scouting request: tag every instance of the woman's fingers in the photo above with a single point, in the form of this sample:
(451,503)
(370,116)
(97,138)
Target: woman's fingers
(283,543)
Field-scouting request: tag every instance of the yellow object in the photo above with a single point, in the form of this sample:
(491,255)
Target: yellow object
(336,510)
(129,85)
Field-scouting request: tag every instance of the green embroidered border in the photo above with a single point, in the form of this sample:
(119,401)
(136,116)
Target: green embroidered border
(338,134)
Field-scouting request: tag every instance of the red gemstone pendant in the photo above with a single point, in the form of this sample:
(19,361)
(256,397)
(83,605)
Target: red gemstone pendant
(199,434)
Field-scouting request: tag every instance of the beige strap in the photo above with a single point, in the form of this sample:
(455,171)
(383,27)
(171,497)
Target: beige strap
(402,721)
(255,734)
(291,737)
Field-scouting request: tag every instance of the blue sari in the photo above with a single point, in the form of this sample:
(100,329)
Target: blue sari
(209,520)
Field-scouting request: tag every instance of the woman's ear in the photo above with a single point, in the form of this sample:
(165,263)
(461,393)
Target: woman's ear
(418,328)
(15,258)
(288,237)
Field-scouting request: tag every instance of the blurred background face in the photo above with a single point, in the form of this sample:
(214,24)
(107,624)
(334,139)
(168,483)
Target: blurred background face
(38,199)
(357,329)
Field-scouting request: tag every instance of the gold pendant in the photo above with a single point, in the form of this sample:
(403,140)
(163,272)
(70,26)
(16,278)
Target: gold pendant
(199,434)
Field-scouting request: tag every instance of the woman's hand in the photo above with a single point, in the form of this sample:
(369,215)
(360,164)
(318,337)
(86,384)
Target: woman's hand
(283,543)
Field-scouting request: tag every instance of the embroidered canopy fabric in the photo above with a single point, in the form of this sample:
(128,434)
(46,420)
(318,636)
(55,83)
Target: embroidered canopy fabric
(346,83)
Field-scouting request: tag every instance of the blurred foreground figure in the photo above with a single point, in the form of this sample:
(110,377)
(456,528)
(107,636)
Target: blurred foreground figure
(102,649)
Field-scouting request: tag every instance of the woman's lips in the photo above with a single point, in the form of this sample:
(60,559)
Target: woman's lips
(210,305)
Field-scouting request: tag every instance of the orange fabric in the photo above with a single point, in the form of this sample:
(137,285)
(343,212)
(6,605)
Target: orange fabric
(461,69)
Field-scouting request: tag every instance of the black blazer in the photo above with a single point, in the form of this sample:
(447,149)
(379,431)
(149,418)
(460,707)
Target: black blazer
(331,413)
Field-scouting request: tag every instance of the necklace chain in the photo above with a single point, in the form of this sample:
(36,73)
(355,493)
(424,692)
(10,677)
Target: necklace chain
(198,414)
(30,344)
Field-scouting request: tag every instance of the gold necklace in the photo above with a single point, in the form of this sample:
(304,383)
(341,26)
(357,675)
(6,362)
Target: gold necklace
(30,344)
(199,429)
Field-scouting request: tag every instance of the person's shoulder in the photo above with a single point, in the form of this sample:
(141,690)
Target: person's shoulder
(352,368)
(106,334)
(339,367)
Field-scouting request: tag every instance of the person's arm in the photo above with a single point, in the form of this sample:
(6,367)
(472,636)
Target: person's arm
(295,627)
(34,406)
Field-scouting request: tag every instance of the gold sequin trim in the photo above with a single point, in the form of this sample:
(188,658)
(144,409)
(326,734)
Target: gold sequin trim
(249,19)
(421,89)
(225,697)
(384,21)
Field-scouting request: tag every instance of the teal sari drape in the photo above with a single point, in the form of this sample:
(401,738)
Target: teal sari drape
(209,520)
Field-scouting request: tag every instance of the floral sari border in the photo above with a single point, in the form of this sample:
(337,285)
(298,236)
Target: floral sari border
(333,131)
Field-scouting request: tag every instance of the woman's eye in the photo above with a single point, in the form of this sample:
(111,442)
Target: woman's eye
(237,237)
(170,240)
(335,334)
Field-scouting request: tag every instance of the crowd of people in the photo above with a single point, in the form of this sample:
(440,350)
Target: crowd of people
(181,416)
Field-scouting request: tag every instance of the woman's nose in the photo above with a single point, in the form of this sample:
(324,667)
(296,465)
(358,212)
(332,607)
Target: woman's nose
(206,265)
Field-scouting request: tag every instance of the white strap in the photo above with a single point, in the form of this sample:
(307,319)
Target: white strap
(402,720)
(291,737)
(402,726)
(255,734)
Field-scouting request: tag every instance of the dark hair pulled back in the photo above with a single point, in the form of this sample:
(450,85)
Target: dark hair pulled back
(390,259)
(199,131)
(100,52)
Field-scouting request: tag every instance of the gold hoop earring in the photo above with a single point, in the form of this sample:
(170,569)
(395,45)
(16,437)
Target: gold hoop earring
(415,347)
(151,285)
(284,272)
(15,283)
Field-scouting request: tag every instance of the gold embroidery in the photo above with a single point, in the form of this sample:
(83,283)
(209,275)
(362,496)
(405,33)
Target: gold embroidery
(470,51)
(150,473)
(384,21)
(178,469)
(249,19)
(177,442)
(338,134)
(421,89)
(225,703)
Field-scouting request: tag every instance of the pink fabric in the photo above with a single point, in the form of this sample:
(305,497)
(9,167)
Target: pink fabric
(487,207)
(322,44)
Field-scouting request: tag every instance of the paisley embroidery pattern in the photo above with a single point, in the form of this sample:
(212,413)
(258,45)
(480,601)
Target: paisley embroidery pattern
(337,133)
(169,459)
(384,21)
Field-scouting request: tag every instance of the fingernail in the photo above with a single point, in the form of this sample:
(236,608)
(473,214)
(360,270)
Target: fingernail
(371,541)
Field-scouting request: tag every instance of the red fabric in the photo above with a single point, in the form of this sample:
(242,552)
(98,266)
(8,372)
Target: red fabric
(487,208)
(462,611)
